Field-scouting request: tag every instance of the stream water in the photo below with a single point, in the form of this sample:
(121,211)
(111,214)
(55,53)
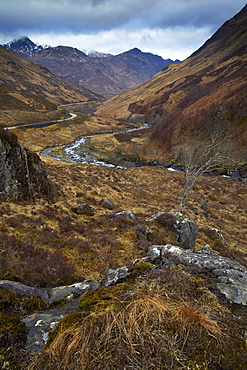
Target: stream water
(80,152)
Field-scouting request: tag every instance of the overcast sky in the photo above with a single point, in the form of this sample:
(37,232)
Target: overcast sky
(170,28)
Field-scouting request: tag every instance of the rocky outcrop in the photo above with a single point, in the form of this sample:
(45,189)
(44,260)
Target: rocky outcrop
(22,174)
(40,324)
(186,230)
(229,276)
(49,294)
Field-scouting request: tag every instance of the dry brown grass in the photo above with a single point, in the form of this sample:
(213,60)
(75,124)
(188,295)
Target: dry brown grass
(189,315)
(95,244)
(150,332)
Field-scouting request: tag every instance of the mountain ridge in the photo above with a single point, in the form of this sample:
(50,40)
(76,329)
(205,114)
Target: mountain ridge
(104,74)
(29,87)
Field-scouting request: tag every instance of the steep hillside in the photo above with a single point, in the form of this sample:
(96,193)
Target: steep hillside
(107,75)
(26,86)
(209,85)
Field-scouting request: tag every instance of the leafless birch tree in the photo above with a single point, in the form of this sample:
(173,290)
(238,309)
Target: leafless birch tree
(205,153)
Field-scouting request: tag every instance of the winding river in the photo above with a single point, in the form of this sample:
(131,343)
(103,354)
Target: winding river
(80,152)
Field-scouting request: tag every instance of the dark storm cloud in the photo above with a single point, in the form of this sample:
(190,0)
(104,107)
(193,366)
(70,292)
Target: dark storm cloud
(89,16)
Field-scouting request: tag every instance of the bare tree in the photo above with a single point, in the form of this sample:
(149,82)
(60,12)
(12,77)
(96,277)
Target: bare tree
(204,153)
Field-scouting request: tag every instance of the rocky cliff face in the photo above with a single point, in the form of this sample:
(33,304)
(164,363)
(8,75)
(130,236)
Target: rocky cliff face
(22,175)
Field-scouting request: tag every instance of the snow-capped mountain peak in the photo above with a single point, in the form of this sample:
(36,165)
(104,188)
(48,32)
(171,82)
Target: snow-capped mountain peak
(23,45)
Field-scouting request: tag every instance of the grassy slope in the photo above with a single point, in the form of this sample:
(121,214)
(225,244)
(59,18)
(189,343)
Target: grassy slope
(190,94)
(48,244)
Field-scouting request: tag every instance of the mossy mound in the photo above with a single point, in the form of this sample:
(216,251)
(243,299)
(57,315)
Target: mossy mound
(139,268)
(109,298)
(35,303)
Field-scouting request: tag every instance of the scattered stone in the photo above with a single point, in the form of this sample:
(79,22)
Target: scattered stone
(143,231)
(83,209)
(128,214)
(106,203)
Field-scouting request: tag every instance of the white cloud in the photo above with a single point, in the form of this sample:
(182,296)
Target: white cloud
(170,28)
(177,43)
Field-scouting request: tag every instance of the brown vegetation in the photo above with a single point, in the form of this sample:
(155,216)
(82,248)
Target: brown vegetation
(210,84)
(147,326)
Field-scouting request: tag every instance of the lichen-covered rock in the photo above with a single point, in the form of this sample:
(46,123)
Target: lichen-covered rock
(186,230)
(115,276)
(156,216)
(22,175)
(39,324)
(83,209)
(230,277)
(72,290)
(49,294)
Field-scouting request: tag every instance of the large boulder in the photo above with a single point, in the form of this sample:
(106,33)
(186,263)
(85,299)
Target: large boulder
(22,174)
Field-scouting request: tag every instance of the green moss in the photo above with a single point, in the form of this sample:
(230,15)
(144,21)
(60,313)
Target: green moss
(11,276)
(13,325)
(104,298)
(88,299)
(35,303)
(140,268)
(59,303)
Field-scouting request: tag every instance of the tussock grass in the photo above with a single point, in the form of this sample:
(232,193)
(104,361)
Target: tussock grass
(189,315)
(149,332)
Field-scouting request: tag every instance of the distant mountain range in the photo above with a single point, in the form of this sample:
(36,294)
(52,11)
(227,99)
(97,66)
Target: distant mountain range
(104,74)
(27,86)
(209,85)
